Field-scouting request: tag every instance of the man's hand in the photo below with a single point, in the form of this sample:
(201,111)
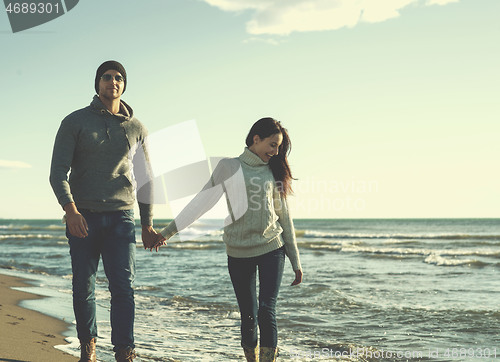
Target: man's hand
(75,221)
(298,277)
(151,239)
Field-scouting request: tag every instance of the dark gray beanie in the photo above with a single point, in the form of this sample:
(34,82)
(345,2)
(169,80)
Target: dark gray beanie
(104,67)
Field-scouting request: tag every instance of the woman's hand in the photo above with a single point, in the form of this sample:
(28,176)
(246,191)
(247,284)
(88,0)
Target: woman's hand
(151,239)
(160,241)
(298,277)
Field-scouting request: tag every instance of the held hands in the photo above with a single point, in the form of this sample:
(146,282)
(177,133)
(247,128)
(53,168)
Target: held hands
(298,277)
(151,239)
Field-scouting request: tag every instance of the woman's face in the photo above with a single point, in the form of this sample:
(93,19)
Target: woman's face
(267,147)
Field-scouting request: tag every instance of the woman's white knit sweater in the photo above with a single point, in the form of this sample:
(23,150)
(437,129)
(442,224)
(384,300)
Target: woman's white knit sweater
(259,220)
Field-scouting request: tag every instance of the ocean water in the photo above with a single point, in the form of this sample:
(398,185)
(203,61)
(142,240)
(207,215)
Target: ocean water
(399,289)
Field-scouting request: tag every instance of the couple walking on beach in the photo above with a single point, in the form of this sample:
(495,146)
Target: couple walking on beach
(99,147)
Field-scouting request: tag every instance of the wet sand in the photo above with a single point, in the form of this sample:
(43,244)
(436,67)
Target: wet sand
(27,335)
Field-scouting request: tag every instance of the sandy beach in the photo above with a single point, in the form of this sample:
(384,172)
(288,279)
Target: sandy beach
(26,335)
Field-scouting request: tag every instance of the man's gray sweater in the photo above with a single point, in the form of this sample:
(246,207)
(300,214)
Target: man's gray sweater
(101,149)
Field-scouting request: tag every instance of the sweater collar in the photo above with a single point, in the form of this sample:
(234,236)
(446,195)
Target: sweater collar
(251,158)
(125,113)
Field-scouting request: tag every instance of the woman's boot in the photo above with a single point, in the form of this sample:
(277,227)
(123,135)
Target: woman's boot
(251,354)
(268,354)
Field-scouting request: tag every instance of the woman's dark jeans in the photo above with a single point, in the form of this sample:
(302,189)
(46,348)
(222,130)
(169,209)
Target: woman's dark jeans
(243,273)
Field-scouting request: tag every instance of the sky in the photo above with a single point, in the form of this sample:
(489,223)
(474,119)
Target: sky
(392,106)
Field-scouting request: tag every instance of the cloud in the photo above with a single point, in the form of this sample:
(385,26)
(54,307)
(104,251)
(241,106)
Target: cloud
(261,40)
(13,164)
(282,17)
(240,5)
(441,2)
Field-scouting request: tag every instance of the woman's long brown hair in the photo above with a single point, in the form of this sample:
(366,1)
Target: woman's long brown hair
(280,168)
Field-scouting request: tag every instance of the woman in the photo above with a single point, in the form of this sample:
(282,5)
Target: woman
(258,233)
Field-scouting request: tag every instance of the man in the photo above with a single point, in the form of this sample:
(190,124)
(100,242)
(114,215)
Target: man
(100,144)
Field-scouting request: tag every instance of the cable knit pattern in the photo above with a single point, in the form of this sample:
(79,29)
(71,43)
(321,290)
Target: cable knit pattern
(264,226)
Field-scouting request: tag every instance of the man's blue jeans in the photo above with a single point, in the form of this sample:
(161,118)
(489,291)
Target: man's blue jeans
(243,276)
(112,235)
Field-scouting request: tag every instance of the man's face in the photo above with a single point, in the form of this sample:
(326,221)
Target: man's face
(111,89)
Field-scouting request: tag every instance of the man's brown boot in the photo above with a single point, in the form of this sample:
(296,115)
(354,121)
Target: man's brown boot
(87,351)
(125,354)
